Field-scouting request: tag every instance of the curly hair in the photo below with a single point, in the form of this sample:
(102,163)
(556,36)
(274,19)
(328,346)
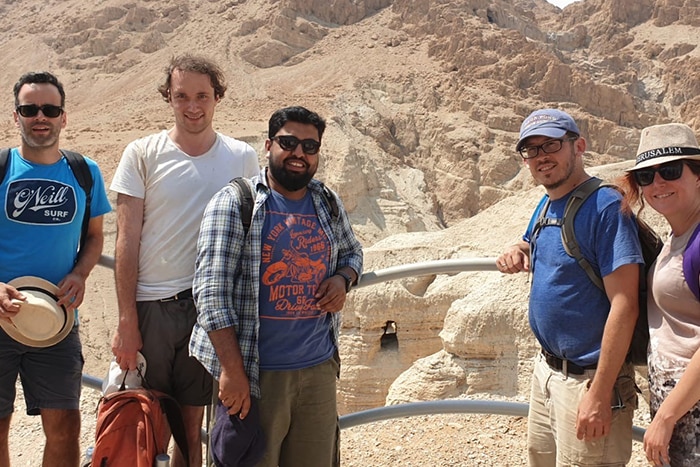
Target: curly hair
(197,64)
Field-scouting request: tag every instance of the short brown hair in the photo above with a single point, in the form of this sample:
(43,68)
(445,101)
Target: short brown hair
(197,64)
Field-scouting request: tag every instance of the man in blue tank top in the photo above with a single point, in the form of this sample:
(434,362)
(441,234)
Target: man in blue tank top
(583,392)
(269,301)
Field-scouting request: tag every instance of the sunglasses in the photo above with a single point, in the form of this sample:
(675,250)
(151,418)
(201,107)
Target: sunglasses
(669,171)
(290,143)
(32,110)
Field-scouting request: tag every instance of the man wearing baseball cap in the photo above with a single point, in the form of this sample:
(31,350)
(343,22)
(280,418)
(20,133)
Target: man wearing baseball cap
(583,394)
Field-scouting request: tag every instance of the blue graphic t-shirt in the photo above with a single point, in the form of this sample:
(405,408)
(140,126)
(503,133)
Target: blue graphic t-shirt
(294,333)
(41,219)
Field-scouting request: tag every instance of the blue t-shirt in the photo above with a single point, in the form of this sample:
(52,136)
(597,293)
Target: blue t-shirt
(567,311)
(294,333)
(41,220)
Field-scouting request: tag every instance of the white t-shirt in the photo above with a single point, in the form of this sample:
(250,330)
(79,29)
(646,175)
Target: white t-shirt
(175,188)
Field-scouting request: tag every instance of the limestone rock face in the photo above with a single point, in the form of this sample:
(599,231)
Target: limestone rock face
(475,323)
(480,328)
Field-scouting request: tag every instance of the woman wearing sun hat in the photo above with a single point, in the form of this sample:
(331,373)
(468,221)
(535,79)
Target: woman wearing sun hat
(666,176)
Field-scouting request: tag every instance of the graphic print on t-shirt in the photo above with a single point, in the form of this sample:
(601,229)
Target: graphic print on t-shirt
(294,262)
(294,333)
(38,201)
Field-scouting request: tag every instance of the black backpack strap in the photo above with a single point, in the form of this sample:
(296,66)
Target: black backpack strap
(331,200)
(245,192)
(568,234)
(82,174)
(541,221)
(172,412)
(177,426)
(4,158)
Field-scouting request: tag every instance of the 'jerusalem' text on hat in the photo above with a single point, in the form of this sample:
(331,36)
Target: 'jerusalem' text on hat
(659,144)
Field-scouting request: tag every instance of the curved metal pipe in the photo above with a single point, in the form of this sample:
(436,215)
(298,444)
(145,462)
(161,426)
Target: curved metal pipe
(447,266)
(92,382)
(444,266)
(412,409)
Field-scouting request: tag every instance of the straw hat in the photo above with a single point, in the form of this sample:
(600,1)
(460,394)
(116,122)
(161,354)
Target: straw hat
(41,322)
(659,144)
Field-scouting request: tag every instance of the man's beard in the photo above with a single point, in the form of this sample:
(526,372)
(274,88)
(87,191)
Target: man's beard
(290,181)
(34,141)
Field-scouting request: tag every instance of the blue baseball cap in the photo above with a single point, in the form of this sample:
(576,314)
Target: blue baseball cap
(546,122)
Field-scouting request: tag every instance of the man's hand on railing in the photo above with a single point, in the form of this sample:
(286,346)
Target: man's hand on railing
(516,258)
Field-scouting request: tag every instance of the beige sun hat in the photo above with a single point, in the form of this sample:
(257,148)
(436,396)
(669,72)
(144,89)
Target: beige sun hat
(40,322)
(659,144)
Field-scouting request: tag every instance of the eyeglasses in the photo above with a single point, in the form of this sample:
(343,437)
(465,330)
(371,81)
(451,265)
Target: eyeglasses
(668,171)
(32,110)
(548,147)
(290,143)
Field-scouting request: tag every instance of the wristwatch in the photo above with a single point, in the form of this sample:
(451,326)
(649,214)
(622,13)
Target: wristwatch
(348,280)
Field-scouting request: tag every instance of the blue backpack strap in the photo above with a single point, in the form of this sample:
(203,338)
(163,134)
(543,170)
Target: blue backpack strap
(691,262)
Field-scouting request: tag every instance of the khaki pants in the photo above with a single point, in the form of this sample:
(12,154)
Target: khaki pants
(554,403)
(299,416)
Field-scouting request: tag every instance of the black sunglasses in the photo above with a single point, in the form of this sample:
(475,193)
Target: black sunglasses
(290,143)
(548,147)
(668,171)
(32,110)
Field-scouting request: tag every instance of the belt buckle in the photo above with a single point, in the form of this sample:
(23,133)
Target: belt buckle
(565,367)
(181,295)
(170,299)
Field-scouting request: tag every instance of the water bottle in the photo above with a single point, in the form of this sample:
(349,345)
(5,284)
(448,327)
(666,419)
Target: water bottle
(87,461)
(162,460)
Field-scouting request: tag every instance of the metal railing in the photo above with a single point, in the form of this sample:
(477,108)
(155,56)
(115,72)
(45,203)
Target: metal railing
(448,266)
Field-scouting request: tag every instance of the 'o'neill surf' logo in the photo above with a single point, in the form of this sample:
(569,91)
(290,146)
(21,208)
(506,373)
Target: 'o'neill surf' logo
(34,201)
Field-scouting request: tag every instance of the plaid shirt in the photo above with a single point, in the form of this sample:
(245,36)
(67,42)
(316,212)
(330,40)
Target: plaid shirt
(227,275)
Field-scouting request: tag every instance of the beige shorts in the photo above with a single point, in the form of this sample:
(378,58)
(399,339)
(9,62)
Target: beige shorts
(554,402)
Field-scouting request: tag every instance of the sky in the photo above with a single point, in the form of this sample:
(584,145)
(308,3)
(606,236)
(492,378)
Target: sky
(561,3)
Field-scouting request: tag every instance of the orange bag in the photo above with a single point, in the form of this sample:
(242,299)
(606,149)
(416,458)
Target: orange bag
(131,426)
